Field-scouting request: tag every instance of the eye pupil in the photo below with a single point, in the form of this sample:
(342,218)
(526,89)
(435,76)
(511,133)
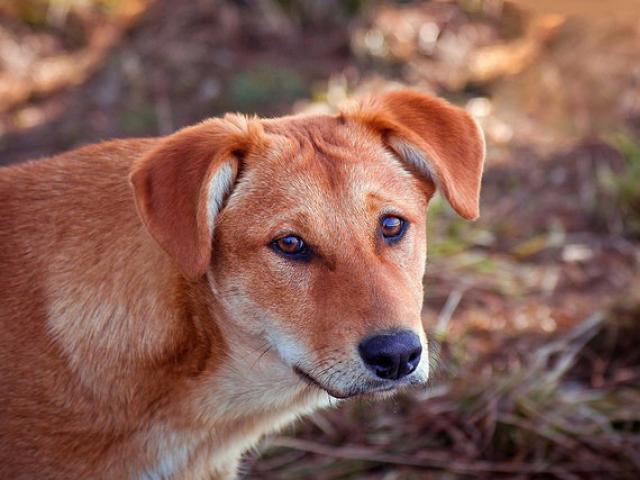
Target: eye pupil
(392,226)
(290,244)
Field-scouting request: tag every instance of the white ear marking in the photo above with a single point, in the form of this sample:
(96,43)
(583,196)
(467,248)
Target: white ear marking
(415,159)
(219,188)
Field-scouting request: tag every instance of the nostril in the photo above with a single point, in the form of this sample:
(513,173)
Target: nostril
(391,356)
(382,361)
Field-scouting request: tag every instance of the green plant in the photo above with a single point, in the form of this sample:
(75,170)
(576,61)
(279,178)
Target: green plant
(624,186)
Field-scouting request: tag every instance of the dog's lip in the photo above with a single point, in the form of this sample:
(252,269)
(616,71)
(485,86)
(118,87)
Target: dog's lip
(339,395)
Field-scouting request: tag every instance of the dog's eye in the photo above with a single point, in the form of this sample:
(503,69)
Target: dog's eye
(392,228)
(291,246)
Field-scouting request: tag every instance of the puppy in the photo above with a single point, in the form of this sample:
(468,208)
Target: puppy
(166,302)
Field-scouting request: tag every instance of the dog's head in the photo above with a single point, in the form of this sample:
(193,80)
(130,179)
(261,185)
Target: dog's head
(311,229)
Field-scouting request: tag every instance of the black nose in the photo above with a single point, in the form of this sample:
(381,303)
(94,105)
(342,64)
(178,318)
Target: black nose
(391,355)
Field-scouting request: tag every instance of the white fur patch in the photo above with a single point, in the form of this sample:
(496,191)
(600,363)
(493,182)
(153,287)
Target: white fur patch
(219,188)
(415,159)
(422,372)
(172,451)
(287,346)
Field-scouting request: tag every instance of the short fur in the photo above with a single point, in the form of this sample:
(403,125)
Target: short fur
(147,327)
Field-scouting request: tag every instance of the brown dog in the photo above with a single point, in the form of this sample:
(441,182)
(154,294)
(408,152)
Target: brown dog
(166,302)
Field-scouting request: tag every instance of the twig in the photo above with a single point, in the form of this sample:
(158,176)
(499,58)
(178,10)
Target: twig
(450,306)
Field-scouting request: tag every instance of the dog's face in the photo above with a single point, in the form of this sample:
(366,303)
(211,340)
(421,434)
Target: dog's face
(312,229)
(321,247)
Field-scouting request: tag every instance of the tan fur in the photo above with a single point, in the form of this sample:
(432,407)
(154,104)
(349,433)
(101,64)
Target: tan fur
(147,329)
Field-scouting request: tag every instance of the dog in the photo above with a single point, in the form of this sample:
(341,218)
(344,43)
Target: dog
(166,302)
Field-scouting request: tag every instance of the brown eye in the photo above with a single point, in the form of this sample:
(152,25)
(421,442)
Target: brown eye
(291,246)
(392,228)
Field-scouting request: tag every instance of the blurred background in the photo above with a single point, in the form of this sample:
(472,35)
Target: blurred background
(533,311)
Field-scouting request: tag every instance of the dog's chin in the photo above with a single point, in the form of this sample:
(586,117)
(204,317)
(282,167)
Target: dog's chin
(375,390)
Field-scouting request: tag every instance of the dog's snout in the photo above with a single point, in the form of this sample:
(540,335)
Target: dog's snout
(392,355)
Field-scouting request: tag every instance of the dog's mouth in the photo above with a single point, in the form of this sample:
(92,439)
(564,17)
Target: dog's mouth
(364,389)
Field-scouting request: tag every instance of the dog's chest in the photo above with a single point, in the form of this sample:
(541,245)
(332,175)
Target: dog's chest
(196,454)
(200,453)
(168,452)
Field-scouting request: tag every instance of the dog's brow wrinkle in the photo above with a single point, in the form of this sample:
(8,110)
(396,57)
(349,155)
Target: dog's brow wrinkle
(330,262)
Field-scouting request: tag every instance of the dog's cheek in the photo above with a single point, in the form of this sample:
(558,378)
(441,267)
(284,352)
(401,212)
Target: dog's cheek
(259,293)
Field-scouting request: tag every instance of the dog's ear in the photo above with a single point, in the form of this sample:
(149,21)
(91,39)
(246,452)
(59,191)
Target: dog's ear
(181,185)
(439,141)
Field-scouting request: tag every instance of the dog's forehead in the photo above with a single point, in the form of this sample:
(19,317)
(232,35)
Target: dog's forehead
(319,166)
(326,150)
(321,134)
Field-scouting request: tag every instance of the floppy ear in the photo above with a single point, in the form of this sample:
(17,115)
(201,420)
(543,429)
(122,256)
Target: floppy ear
(181,185)
(441,142)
